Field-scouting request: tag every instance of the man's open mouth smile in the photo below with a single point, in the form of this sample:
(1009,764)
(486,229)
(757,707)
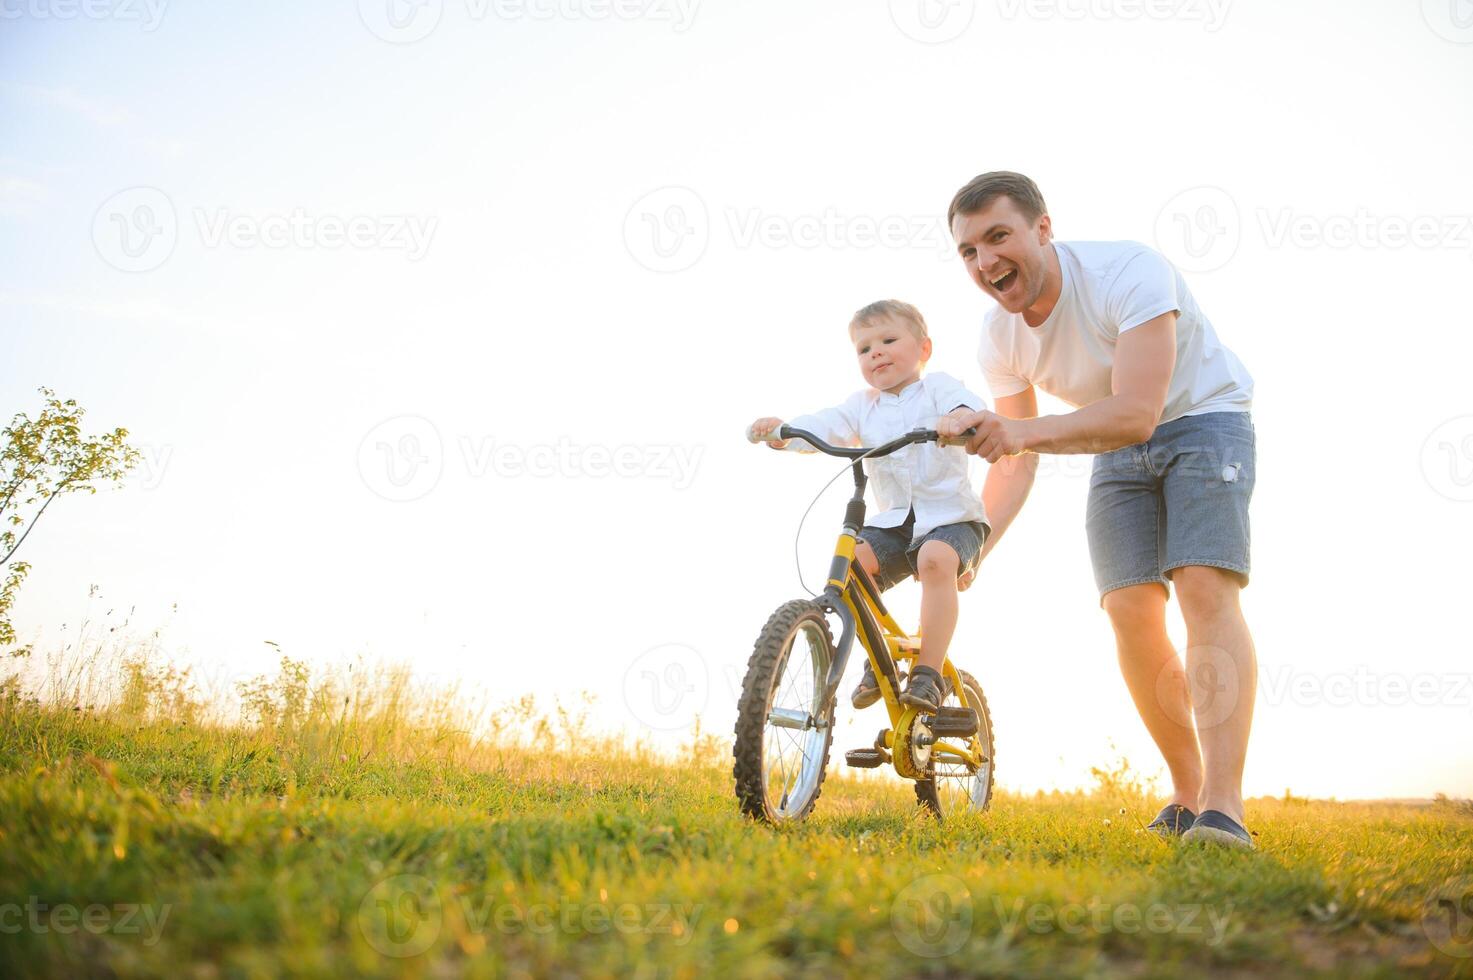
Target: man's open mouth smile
(1005,281)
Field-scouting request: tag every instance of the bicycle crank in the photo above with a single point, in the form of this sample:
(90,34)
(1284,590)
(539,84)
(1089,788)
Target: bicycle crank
(913,741)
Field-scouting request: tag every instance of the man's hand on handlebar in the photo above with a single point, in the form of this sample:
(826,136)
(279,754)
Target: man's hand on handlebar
(759,430)
(997,435)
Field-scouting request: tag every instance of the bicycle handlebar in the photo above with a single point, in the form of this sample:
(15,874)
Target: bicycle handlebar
(786,431)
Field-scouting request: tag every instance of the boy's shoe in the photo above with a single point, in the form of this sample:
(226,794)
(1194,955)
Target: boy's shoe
(868,691)
(1174,821)
(924,690)
(1216,827)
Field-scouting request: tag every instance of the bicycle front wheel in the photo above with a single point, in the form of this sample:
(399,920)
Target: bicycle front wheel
(955,787)
(782,733)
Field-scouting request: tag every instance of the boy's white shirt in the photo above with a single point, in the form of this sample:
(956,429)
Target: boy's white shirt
(934,480)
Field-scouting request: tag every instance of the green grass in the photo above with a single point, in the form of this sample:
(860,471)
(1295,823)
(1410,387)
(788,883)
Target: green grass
(358,828)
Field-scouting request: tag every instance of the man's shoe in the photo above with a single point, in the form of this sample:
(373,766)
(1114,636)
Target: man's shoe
(1216,827)
(868,691)
(1173,821)
(924,690)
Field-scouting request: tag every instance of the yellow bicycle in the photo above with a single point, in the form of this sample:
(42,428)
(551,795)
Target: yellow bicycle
(785,718)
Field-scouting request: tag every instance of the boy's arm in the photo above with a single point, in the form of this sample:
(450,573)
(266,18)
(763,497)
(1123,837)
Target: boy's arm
(837,426)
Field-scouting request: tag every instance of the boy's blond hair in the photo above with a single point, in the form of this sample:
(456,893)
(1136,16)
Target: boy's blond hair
(891,309)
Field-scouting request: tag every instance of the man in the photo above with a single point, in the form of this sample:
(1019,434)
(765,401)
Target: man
(1111,329)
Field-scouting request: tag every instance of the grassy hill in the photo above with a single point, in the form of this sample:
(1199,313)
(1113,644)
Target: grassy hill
(348,827)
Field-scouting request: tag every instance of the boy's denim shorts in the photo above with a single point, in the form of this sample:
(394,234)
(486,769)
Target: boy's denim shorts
(897,554)
(1180,498)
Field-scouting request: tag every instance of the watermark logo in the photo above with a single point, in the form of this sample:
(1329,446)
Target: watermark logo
(120,919)
(933,21)
(408,21)
(1447,459)
(1447,917)
(148,13)
(1451,20)
(1102,918)
(401,916)
(1204,694)
(401,21)
(402,458)
(932,916)
(1211,13)
(136,229)
(668,229)
(667,687)
(1200,229)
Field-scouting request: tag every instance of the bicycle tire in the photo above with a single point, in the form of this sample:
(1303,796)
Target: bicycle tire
(927,793)
(771,656)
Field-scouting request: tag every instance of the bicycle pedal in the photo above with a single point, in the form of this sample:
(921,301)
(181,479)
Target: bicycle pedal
(866,758)
(954,722)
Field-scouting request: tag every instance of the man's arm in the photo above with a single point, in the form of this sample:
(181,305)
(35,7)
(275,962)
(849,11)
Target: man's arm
(1144,359)
(1008,482)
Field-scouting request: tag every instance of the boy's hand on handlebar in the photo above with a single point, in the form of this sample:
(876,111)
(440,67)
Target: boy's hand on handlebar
(759,430)
(952,427)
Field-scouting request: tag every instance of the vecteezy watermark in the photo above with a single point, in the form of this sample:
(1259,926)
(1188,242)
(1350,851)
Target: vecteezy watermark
(153,463)
(1365,229)
(669,229)
(933,21)
(1096,915)
(147,13)
(567,459)
(64,918)
(407,21)
(403,459)
(137,229)
(667,687)
(1199,229)
(1451,20)
(1447,917)
(403,916)
(1203,692)
(1447,459)
(932,916)
(1211,13)
(1283,683)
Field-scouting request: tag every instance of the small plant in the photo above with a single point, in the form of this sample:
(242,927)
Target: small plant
(40,460)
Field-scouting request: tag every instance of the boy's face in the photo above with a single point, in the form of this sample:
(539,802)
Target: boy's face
(890,355)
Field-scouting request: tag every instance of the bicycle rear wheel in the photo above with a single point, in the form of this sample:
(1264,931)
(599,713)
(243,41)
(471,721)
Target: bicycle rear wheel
(782,734)
(955,787)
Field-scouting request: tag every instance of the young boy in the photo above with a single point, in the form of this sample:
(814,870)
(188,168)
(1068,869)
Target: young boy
(931,523)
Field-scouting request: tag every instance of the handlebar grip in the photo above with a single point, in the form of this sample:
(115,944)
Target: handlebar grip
(960,440)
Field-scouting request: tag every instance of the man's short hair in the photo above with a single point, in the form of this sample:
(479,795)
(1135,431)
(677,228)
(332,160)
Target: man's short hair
(891,309)
(983,189)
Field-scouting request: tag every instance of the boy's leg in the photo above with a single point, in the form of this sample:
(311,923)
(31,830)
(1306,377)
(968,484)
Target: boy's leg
(937,564)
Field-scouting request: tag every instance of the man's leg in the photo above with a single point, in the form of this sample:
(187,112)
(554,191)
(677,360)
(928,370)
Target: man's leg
(1157,683)
(1223,669)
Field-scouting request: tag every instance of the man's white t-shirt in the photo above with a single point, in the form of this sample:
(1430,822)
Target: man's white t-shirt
(1109,288)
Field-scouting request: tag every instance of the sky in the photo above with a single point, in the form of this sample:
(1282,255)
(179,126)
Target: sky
(438,325)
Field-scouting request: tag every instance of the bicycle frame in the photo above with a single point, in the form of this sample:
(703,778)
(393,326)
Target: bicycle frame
(852,595)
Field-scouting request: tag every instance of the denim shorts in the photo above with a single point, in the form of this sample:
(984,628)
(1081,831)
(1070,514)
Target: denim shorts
(897,554)
(1179,498)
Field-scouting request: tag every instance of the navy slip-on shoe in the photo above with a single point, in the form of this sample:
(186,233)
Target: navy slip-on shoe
(1173,821)
(1216,827)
